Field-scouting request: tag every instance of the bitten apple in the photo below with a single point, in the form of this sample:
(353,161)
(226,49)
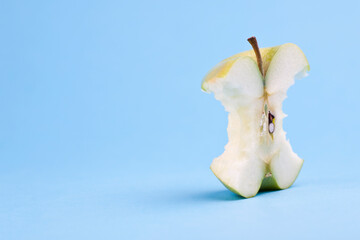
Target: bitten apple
(252,86)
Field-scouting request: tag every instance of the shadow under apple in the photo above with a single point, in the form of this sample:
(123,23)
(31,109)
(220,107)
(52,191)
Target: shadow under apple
(224,195)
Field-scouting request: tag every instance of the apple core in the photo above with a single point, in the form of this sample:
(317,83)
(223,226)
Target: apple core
(252,86)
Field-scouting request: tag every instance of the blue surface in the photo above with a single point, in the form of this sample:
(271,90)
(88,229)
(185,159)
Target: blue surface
(105,134)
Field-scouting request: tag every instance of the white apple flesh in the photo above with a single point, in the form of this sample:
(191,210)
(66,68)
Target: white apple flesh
(257,156)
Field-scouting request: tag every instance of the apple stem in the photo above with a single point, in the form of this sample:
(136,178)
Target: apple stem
(255,46)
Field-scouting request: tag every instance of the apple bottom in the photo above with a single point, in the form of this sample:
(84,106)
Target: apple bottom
(246,173)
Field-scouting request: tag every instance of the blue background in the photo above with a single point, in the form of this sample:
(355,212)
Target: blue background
(105,134)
